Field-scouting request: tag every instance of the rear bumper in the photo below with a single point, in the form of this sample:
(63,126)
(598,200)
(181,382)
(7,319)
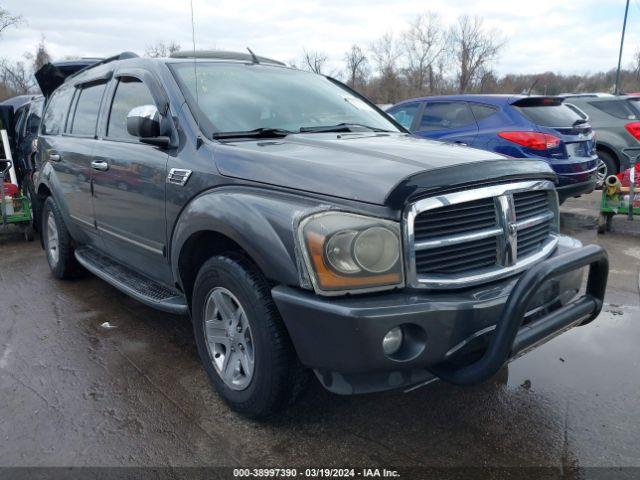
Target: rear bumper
(341,339)
(568,190)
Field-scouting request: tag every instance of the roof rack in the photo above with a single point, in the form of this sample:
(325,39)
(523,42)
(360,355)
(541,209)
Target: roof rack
(120,56)
(223,55)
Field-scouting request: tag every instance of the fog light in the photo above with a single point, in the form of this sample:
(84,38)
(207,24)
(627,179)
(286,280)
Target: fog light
(392,341)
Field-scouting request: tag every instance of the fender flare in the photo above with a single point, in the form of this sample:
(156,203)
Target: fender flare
(261,222)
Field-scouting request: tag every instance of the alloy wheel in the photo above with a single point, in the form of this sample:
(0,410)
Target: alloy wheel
(601,173)
(53,244)
(229,339)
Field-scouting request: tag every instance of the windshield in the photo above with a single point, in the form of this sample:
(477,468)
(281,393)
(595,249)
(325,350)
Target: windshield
(242,98)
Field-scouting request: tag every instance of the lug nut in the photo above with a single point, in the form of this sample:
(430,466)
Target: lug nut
(239,328)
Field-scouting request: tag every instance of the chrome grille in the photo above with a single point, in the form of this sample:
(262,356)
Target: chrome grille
(473,236)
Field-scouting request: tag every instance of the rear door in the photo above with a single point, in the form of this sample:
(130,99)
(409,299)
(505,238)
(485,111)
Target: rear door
(66,141)
(129,186)
(452,121)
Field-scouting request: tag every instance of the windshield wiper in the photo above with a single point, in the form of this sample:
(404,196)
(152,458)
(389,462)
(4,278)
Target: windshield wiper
(580,121)
(340,127)
(263,132)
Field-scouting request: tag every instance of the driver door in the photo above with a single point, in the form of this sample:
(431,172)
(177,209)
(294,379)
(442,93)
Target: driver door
(129,181)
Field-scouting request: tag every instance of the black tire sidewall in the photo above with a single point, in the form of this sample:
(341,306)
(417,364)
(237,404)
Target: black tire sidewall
(224,272)
(609,162)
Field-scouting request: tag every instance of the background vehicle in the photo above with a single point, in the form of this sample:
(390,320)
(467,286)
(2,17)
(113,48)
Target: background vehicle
(514,125)
(616,121)
(302,228)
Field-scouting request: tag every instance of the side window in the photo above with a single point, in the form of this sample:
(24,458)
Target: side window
(446,116)
(56,112)
(482,111)
(85,115)
(35,117)
(130,93)
(405,114)
(18,122)
(616,108)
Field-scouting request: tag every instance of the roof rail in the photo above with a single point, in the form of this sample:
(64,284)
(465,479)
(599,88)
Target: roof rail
(223,55)
(120,56)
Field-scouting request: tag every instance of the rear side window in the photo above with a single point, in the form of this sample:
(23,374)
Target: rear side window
(56,113)
(85,115)
(35,116)
(551,115)
(616,108)
(446,116)
(482,111)
(130,93)
(405,114)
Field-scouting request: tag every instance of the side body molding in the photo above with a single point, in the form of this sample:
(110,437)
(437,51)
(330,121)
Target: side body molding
(262,222)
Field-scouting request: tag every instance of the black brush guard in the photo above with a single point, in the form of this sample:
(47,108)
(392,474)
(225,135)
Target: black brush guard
(509,339)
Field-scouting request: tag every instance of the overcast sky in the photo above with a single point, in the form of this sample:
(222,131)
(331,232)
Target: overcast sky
(557,35)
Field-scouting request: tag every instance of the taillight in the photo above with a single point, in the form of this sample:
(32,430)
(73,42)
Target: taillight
(532,140)
(634,129)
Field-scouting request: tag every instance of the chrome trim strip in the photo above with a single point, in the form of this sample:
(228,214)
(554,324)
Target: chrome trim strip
(131,241)
(533,221)
(82,221)
(507,224)
(461,238)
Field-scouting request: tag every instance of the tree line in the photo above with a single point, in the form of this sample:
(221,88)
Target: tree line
(427,58)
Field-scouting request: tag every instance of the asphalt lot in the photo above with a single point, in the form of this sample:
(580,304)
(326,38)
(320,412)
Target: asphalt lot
(90,377)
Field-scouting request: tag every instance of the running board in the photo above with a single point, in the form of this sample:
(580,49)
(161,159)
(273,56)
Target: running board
(132,283)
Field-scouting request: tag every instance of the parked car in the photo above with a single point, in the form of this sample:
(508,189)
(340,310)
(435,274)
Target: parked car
(514,125)
(616,121)
(303,229)
(25,123)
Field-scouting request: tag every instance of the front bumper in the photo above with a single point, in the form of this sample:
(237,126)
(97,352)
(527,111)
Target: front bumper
(341,338)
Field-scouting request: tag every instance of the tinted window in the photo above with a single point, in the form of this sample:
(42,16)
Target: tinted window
(446,115)
(579,112)
(482,111)
(56,113)
(18,122)
(130,93)
(616,108)
(35,116)
(86,110)
(551,115)
(405,114)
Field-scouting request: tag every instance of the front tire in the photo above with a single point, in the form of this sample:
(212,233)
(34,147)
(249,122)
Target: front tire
(57,242)
(606,166)
(241,339)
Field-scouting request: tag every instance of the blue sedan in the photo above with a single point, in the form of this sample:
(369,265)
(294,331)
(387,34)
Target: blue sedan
(516,125)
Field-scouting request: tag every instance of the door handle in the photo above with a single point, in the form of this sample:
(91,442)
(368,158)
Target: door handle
(100,165)
(54,156)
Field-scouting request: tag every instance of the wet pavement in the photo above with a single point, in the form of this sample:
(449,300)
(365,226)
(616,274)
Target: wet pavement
(90,377)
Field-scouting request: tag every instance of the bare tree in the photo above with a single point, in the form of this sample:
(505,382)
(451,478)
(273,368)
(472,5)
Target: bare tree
(7,20)
(40,57)
(314,61)
(16,78)
(425,43)
(162,49)
(385,53)
(357,66)
(474,48)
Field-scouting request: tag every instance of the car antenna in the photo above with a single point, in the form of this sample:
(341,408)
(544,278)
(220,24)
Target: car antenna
(254,58)
(535,82)
(195,75)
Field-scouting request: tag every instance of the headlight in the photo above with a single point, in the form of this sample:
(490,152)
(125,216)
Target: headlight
(347,252)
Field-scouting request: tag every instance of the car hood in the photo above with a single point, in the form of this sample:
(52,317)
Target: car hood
(367,167)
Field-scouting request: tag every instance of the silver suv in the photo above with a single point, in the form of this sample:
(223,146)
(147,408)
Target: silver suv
(616,121)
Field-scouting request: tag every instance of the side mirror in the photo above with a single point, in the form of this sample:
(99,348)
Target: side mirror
(144,122)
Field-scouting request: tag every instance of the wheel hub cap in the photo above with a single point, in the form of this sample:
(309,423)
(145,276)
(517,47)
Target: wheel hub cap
(228,337)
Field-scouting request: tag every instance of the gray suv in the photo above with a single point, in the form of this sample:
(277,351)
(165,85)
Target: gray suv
(303,230)
(616,121)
